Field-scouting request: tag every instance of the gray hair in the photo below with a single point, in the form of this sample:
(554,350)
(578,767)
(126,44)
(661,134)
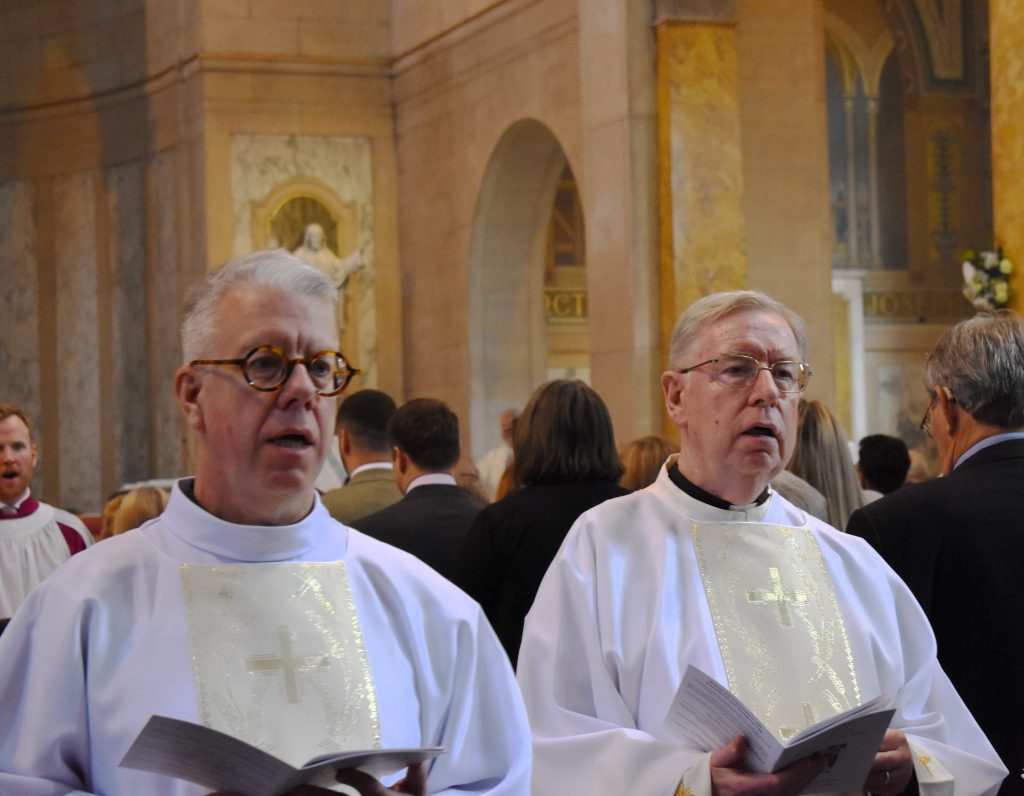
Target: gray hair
(981,360)
(274,268)
(716,306)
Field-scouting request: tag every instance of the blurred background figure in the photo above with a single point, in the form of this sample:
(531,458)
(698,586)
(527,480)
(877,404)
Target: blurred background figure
(495,462)
(469,479)
(919,469)
(642,459)
(109,510)
(433,518)
(565,459)
(361,426)
(801,494)
(822,458)
(882,465)
(135,507)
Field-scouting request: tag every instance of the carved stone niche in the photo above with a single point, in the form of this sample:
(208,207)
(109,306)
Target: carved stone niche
(280,220)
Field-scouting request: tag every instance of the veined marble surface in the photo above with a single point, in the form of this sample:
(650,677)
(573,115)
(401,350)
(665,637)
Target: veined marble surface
(78,398)
(19,304)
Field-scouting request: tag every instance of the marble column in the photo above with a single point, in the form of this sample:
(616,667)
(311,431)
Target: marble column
(1006,30)
(700,167)
(852,224)
(875,225)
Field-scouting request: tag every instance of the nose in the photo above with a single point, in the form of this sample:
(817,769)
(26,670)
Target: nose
(298,386)
(765,390)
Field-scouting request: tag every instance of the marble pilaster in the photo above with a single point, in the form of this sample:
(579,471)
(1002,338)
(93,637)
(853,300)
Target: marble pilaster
(164,329)
(703,246)
(129,402)
(77,383)
(19,300)
(1006,30)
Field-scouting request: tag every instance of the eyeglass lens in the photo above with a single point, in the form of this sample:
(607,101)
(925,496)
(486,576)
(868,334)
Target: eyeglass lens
(267,369)
(739,370)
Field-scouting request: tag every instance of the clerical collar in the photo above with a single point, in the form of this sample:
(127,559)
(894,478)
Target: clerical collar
(186,519)
(704,496)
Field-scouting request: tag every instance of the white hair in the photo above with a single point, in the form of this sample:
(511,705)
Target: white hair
(274,268)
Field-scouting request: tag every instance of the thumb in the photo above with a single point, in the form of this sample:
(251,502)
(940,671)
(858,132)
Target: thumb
(729,755)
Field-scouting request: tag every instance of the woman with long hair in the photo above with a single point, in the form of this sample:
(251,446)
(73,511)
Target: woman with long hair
(565,462)
(822,458)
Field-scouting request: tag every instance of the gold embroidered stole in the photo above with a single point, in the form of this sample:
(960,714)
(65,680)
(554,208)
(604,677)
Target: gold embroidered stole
(779,629)
(279,659)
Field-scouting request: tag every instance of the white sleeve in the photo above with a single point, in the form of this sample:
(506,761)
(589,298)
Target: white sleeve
(585,733)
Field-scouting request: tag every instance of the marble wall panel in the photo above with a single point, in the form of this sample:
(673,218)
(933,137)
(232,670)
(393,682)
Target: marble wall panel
(262,163)
(78,385)
(129,348)
(165,344)
(19,301)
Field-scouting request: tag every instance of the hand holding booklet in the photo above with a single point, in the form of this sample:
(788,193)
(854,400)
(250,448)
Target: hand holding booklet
(706,715)
(219,761)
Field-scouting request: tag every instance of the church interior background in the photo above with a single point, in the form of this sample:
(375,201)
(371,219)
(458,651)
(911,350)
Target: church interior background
(536,189)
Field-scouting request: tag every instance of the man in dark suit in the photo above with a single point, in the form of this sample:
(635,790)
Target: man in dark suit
(435,515)
(958,541)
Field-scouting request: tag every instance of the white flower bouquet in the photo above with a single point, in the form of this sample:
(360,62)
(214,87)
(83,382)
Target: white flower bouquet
(987,278)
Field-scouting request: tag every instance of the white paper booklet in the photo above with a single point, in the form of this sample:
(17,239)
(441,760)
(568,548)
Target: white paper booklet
(219,761)
(706,715)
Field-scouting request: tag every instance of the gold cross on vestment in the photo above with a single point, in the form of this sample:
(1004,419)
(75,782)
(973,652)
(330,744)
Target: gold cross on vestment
(779,596)
(810,718)
(288,664)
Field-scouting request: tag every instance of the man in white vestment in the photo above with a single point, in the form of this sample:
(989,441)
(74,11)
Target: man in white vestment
(35,538)
(710,567)
(245,607)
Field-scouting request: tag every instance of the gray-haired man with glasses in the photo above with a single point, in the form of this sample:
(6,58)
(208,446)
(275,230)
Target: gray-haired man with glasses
(245,607)
(710,567)
(957,540)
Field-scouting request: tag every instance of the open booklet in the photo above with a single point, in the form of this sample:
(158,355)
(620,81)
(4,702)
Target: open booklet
(706,715)
(219,761)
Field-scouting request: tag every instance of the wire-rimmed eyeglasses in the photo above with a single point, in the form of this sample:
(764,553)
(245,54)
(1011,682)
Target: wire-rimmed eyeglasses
(925,424)
(740,370)
(266,368)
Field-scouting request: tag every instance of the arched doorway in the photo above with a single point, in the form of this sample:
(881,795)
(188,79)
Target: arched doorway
(527,303)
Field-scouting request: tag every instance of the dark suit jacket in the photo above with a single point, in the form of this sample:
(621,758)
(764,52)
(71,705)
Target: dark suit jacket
(430,522)
(512,544)
(958,542)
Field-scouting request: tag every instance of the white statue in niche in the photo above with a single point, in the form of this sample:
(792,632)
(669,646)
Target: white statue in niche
(314,251)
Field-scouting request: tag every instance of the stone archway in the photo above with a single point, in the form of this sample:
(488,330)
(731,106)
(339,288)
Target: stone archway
(507,339)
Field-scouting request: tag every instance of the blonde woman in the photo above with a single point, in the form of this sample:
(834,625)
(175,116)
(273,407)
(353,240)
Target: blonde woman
(136,506)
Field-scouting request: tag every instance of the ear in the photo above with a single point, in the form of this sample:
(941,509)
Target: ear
(186,391)
(672,387)
(344,441)
(950,411)
(400,460)
(35,454)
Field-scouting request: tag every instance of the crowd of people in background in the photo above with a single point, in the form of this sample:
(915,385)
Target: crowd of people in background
(561,516)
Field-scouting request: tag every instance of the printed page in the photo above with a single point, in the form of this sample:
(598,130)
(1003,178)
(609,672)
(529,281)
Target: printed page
(706,715)
(218,761)
(850,747)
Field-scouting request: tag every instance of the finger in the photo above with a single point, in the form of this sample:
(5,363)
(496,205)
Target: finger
(797,776)
(360,781)
(414,781)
